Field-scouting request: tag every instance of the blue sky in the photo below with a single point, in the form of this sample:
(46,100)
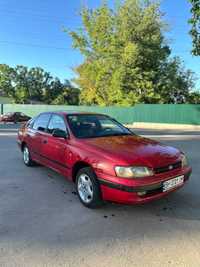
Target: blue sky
(31,33)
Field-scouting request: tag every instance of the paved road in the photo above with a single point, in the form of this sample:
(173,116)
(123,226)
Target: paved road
(42,223)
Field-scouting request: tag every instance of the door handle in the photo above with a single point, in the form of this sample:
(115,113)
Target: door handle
(45,141)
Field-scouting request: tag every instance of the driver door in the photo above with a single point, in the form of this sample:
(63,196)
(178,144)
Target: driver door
(54,149)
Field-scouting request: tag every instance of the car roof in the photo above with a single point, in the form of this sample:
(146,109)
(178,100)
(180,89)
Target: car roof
(72,112)
(9,113)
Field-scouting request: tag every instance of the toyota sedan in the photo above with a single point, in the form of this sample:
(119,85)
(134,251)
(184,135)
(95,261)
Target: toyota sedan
(105,160)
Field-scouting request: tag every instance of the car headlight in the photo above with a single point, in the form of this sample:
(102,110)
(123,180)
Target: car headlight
(133,172)
(184,161)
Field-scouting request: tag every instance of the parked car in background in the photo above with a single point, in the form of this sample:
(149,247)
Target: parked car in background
(106,160)
(14,117)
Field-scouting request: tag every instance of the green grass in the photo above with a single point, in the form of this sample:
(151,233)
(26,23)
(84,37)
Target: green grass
(5,100)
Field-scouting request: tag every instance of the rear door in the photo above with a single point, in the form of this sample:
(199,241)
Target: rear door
(36,133)
(54,149)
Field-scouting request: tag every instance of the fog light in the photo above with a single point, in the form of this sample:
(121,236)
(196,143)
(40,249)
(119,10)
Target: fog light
(141,193)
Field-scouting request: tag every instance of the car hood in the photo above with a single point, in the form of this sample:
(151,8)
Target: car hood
(135,150)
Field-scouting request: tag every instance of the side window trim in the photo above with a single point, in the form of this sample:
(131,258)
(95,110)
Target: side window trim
(36,118)
(30,124)
(51,115)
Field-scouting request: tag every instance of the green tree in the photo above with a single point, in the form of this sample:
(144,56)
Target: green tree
(194,98)
(195,23)
(7,75)
(69,96)
(124,53)
(52,90)
(30,85)
(174,83)
(62,93)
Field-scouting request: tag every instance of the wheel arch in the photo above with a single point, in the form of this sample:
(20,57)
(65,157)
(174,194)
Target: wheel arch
(77,167)
(23,144)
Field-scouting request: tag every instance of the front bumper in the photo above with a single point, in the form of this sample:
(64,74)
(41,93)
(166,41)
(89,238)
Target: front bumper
(128,194)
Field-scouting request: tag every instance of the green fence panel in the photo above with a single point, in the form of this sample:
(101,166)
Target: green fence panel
(167,113)
(155,113)
(124,115)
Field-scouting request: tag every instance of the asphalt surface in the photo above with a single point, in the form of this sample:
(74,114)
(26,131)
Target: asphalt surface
(42,222)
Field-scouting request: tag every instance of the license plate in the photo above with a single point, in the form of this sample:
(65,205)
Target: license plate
(172,183)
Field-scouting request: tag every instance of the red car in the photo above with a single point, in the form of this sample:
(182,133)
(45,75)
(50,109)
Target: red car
(106,160)
(14,117)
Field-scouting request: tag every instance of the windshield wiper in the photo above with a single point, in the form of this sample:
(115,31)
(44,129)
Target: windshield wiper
(114,134)
(106,135)
(122,134)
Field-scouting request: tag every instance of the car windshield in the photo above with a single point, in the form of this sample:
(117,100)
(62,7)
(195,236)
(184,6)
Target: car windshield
(92,126)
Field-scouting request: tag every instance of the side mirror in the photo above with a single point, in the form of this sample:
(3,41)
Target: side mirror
(59,133)
(42,129)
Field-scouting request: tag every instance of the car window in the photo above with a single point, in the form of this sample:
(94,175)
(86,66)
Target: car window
(56,122)
(91,126)
(109,124)
(41,122)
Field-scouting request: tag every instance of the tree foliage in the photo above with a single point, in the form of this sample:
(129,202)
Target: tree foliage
(195,23)
(7,75)
(30,85)
(175,83)
(194,97)
(126,57)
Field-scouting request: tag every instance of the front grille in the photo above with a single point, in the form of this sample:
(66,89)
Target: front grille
(153,192)
(167,168)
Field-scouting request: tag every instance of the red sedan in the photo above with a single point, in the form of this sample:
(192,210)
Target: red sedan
(14,117)
(105,160)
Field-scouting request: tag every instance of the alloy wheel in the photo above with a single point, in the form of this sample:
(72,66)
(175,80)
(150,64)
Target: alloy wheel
(85,188)
(26,155)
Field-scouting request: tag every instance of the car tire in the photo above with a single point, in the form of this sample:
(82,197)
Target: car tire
(27,157)
(88,188)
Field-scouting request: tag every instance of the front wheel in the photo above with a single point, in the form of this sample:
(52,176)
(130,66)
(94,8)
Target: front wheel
(27,157)
(88,188)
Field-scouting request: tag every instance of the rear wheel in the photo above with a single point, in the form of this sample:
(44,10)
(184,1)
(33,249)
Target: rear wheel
(27,157)
(88,188)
